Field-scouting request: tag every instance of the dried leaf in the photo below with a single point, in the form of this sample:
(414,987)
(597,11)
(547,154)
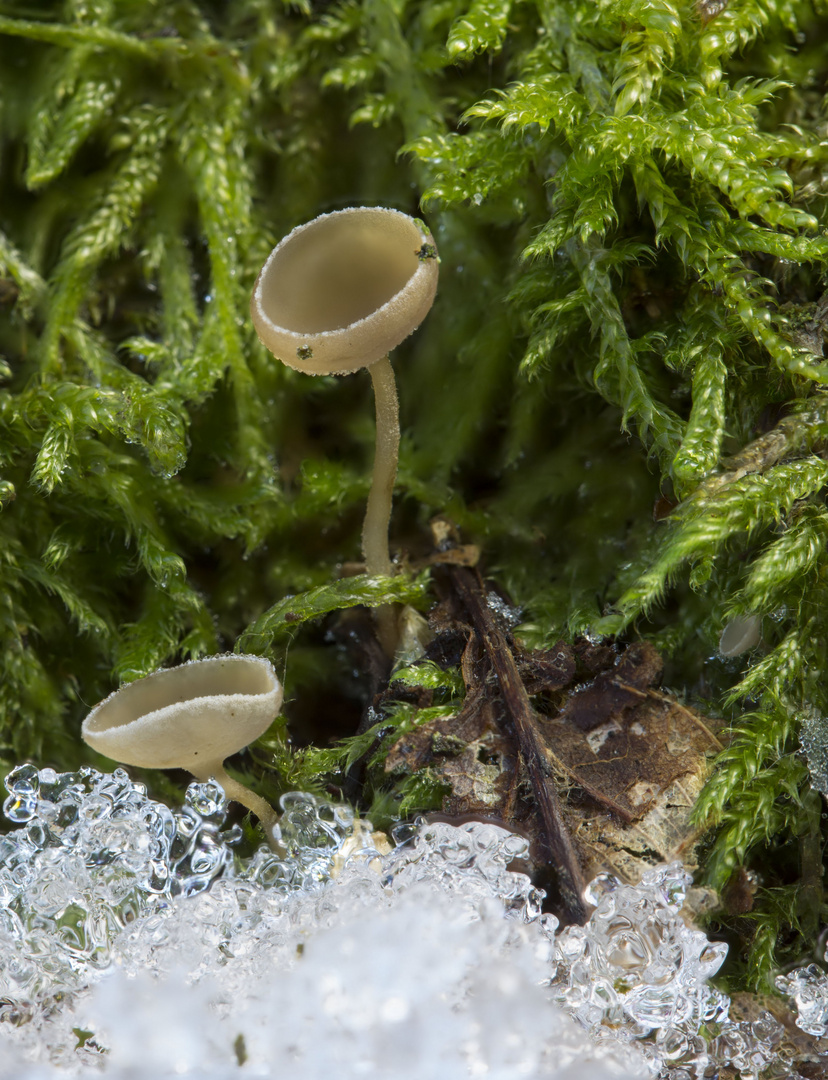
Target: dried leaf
(470,753)
(628,761)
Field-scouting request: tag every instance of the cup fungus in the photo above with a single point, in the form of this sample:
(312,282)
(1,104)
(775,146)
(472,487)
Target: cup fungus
(336,295)
(192,717)
(742,633)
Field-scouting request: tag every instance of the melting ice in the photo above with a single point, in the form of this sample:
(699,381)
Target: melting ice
(135,944)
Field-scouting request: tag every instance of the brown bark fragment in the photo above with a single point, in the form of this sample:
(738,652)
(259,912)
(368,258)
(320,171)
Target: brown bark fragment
(546,672)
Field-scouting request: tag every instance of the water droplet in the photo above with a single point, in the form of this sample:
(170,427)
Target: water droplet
(600,886)
(207,799)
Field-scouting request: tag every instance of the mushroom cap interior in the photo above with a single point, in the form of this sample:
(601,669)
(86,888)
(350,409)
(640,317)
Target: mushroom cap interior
(192,716)
(343,290)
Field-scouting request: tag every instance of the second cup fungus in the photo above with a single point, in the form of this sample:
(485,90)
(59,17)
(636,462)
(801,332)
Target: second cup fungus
(742,633)
(192,717)
(336,295)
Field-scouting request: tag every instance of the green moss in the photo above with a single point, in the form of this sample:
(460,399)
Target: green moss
(629,202)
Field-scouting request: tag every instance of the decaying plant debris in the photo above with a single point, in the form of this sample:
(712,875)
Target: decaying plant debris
(573,744)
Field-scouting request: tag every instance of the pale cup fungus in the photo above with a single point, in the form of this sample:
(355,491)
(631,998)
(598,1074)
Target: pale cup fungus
(742,633)
(192,717)
(336,295)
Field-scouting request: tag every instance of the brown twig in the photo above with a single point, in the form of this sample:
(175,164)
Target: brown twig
(558,842)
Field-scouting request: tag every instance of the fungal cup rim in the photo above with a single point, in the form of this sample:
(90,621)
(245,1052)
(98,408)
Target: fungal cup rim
(421,284)
(99,721)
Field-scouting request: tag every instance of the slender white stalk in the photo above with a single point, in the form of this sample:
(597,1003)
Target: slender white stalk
(255,803)
(378,510)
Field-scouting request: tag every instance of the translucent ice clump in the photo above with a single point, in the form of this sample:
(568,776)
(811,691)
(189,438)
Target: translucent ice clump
(636,959)
(639,971)
(135,945)
(808,989)
(814,736)
(430,962)
(470,862)
(92,854)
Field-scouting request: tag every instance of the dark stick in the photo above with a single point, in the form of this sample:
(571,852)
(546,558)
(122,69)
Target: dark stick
(557,840)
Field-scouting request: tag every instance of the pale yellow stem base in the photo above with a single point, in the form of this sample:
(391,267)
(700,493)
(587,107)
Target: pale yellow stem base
(255,803)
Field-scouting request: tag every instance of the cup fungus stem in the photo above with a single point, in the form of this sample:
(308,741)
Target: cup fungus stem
(254,803)
(378,510)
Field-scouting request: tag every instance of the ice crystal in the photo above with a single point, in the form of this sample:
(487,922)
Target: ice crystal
(469,861)
(637,959)
(808,989)
(92,854)
(814,738)
(638,969)
(134,942)
(505,613)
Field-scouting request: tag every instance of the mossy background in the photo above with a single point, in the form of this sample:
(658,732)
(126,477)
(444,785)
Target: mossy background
(629,198)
